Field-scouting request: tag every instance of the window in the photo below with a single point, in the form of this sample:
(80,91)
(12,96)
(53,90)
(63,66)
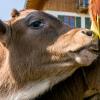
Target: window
(87,22)
(78,22)
(69,20)
(75,21)
(61,17)
(85,2)
(72,21)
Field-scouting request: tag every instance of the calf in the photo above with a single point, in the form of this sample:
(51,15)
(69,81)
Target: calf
(37,53)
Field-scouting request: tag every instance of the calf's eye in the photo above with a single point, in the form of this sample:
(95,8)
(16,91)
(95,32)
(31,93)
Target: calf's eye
(36,24)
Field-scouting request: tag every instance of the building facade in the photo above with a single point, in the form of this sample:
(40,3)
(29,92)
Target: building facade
(72,12)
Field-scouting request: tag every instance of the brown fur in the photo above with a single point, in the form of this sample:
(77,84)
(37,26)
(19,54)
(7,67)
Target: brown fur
(37,58)
(74,87)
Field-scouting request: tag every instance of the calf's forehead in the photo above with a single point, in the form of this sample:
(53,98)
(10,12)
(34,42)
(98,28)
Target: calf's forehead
(25,14)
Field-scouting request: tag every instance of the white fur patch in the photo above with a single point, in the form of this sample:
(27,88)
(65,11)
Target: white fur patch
(85,57)
(31,91)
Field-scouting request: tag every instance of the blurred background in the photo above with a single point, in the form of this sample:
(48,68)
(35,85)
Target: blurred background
(71,12)
(7,5)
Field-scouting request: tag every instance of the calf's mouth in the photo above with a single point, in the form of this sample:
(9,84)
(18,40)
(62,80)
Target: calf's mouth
(85,54)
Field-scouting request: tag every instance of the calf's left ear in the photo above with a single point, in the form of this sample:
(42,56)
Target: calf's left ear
(15,13)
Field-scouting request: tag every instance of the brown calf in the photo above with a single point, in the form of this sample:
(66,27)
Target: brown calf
(36,53)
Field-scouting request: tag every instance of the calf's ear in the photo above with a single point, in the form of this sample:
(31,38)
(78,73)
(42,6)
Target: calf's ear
(2,28)
(3,35)
(15,13)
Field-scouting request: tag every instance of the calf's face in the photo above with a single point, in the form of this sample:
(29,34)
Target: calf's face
(39,39)
(40,48)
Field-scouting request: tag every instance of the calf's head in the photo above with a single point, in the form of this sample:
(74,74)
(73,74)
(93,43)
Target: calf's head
(39,48)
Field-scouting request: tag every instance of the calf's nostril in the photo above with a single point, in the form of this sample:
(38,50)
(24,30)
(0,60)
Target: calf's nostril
(89,33)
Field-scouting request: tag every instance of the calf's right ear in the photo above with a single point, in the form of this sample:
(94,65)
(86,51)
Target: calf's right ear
(3,35)
(2,28)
